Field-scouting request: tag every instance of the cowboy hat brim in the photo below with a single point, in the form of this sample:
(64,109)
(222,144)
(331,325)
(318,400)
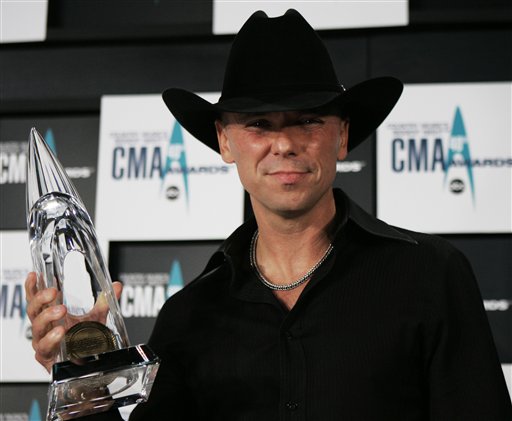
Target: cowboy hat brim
(366,104)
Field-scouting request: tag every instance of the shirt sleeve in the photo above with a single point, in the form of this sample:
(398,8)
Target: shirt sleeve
(170,395)
(465,377)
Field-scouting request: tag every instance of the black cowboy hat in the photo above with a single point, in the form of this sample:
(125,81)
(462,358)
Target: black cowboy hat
(280,64)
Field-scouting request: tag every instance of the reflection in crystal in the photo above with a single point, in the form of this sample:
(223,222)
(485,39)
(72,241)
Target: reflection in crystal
(96,368)
(58,226)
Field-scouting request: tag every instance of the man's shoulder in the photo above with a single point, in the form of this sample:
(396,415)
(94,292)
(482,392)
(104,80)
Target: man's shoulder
(406,240)
(431,244)
(432,264)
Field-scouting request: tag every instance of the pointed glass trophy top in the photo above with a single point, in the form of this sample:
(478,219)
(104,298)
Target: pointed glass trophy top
(66,256)
(45,173)
(96,368)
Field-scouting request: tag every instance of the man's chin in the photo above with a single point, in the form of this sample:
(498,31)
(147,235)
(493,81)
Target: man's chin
(292,210)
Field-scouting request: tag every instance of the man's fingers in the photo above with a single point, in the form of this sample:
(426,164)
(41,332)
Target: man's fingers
(47,333)
(101,307)
(118,288)
(30,285)
(48,347)
(101,304)
(43,314)
(45,320)
(39,301)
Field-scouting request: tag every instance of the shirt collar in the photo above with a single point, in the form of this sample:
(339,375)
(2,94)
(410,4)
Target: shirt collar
(236,247)
(365,221)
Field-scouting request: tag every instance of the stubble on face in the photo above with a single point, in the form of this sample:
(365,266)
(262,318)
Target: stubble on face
(286,160)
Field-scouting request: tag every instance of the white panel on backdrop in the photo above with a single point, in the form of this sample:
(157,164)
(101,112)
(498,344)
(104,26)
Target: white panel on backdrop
(23,20)
(229,16)
(156,181)
(444,159)
(17,362)
(507,372)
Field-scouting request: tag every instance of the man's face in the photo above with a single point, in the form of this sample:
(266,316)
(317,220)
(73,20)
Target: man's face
(286,160)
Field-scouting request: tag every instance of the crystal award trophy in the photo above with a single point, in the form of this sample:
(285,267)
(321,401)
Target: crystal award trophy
(96,368)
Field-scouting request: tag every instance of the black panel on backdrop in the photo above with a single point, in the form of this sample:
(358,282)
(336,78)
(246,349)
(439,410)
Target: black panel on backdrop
(70,19)
(151,272)
(478,11)
(443,56)
(88,72)
(23,402)
(356,175)
(349,56)
(74,139)
(490,257)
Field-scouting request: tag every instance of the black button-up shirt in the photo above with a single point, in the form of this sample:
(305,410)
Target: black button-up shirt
(390,327)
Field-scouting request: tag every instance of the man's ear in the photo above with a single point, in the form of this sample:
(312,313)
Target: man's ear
(225,151)
(343,150)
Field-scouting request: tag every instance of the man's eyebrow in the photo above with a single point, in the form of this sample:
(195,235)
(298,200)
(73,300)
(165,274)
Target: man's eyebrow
(233,117)
(242,117)
(251,115)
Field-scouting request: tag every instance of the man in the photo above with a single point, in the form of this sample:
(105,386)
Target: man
(313,310)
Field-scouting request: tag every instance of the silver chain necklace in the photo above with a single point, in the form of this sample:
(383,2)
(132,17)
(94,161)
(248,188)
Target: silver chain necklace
(284,287)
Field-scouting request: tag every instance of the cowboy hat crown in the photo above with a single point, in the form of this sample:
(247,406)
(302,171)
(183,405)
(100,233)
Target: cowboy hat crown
(281,64)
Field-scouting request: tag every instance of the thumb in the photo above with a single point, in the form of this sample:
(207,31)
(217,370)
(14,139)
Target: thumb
(118,288)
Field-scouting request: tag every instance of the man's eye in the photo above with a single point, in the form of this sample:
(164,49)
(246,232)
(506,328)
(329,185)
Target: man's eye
(310,120)
(258,123)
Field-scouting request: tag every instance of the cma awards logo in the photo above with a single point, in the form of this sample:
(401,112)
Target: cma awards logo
(13,161)
(144,294)
(176,161)
(34,414)
(12,301)
(458,154)
(427,155)
(145,157)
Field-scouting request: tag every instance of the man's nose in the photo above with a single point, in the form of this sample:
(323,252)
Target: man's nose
(284,144)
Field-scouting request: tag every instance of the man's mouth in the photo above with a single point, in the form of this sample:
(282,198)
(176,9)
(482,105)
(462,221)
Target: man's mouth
(288,177)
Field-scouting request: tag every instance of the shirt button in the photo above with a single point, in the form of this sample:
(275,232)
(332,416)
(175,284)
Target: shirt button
(292,406)
(288,335)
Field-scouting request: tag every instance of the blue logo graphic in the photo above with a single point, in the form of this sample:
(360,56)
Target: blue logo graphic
(176,154)
(12,303)
(433,152)
(50,140)
(175,279)
(35,412)
(23,315)
(458,147)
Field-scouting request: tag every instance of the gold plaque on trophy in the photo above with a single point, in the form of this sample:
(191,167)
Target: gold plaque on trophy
(88,338)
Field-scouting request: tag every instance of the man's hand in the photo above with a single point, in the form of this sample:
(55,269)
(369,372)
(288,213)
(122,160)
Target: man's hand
(48,329)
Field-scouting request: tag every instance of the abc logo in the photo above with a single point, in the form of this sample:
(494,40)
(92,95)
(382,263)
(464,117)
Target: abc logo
(172,193)
(457,186)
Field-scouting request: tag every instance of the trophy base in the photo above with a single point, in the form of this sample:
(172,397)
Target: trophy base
(101,382)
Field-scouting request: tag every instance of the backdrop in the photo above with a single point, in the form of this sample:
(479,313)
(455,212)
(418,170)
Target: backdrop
(444,51)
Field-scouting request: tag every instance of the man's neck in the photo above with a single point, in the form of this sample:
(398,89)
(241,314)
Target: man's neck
(288,246)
